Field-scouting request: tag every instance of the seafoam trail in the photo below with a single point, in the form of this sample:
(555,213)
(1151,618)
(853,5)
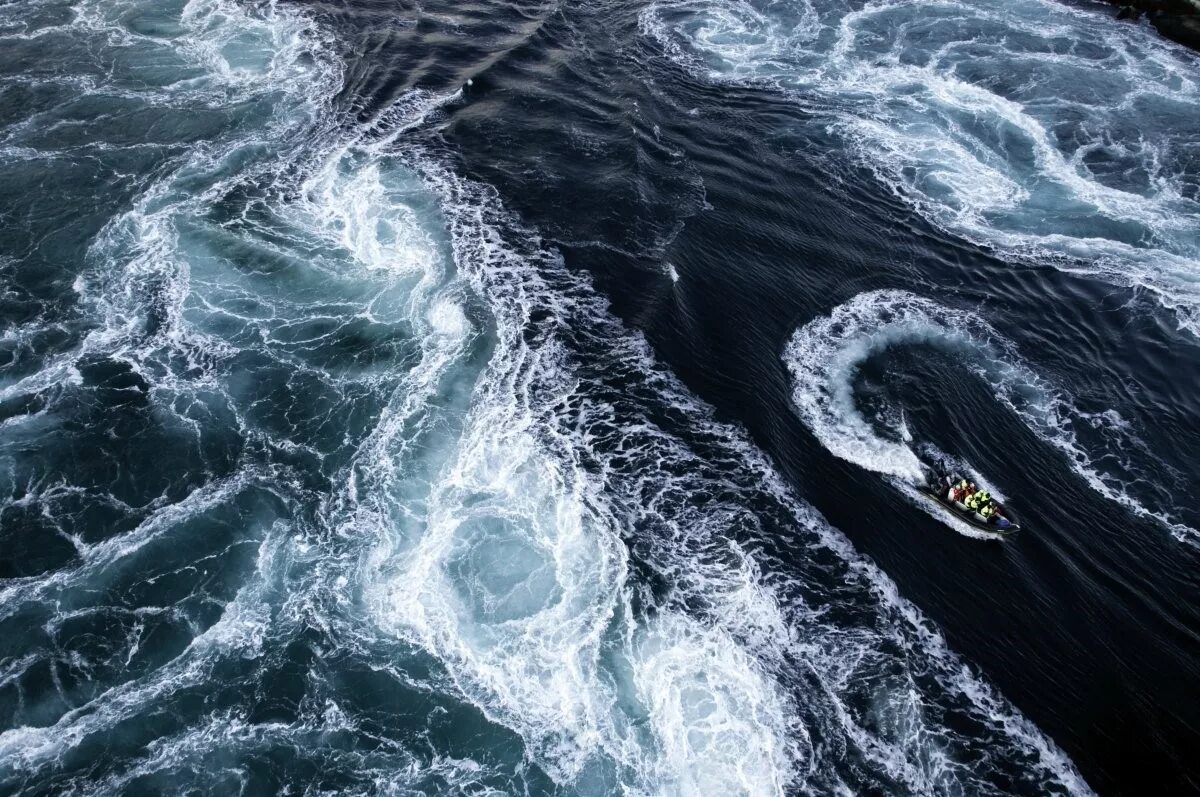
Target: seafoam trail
(825,355)
(405,474)
(1050,133)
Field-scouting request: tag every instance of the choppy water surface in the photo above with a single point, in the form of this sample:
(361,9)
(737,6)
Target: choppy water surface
(523,398)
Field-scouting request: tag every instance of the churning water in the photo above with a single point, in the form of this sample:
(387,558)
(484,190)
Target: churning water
(377,416)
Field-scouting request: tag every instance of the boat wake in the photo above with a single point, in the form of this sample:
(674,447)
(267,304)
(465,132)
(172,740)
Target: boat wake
(826,354)
(367,492)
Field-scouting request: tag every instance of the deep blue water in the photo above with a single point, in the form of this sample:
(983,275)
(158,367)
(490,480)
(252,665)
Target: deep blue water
(523,398)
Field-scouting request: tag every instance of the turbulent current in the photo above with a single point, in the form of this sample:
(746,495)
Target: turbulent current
(342,449)
(1038,128)
(826,354)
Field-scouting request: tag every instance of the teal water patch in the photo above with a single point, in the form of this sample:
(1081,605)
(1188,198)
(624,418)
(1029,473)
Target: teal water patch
(329,476)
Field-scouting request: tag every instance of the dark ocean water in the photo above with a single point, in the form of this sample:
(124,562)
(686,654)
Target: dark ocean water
(523,398)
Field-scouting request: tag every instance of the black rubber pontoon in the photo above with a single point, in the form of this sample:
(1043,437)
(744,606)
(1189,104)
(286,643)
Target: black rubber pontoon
(1002,522)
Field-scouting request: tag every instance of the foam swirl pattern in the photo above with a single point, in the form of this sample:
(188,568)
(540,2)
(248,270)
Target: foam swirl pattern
(1041,130)
(412,512)
(826,354)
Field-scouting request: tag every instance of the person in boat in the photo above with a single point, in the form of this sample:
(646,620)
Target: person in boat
(988,511)
(959,490)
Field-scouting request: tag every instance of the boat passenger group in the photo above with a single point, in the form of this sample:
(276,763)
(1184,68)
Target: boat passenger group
(966,493)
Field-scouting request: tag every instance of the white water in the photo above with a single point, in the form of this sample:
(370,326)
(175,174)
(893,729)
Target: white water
(517,579)
(1049,132)
(825,355)
(483,525)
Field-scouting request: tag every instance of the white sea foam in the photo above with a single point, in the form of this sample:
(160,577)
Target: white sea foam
(511,568)
(171,306)
(716,717)
(1050,132)
(524,520)
(512,583)
(824,357)
(240,632)
(101,560)
(518,582)
(491,515)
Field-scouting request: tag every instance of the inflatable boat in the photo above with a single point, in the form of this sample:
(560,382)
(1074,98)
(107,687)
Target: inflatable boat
(1001,521)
